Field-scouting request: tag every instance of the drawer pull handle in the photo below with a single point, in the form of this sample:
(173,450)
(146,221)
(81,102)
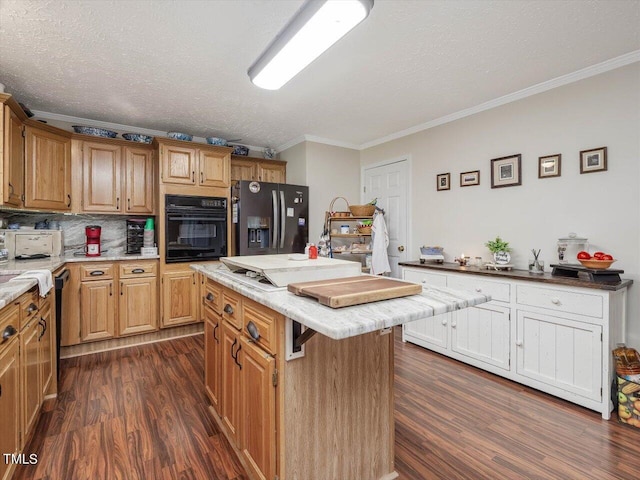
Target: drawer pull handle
(137,270)
(96,273)
(228,309)
(253,331)
(519,343)
(8,332)
(210,297)
(444,322)
(236,357)
(235,340)
(215,337)
(555,301)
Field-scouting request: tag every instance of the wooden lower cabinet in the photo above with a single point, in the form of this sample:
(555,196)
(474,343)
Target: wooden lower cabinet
(30,373)
(179,298)
(212,356)
(10,424)
(230,381)
(138,305)
(98,310)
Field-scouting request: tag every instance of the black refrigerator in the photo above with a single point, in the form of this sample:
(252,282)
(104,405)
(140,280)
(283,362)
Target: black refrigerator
(269,218)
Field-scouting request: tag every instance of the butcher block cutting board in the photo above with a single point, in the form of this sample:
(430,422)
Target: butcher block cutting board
(343,292)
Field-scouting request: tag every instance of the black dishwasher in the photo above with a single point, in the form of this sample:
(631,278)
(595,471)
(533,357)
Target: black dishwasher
(60,281)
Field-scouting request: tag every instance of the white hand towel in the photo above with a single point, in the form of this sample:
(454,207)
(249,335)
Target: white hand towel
(379,244)
(44,278)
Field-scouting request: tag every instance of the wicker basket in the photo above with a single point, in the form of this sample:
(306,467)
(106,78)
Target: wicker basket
(364,230)
(362,210)
(339,214)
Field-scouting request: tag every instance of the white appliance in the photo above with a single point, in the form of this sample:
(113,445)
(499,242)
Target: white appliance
(283,269)
(31,244)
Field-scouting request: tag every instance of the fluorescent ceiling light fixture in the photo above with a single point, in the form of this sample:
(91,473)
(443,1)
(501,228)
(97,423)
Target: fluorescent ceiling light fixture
(312,30)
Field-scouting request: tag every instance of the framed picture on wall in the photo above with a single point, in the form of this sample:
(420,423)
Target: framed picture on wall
(594,160)
(505,171)
(470,178)
(549,166)
(443,181)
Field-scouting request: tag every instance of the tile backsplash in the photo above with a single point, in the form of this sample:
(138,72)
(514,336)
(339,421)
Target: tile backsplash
(113,236)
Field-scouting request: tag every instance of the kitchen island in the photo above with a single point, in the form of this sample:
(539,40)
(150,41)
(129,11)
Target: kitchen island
(322,410)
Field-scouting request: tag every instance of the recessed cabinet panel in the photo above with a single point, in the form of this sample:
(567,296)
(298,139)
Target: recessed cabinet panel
(178,164)
(98,309)
(101,177)
(214,169)
(179,298)
(137,308)
(139,183)
(13,161)
(212,358)
(9,403)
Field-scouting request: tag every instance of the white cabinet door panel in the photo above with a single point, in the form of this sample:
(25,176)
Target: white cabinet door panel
(482,333)
(430,330)
(560,352)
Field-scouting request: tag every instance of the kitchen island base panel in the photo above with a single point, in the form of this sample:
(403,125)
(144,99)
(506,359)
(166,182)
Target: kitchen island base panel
(338,410)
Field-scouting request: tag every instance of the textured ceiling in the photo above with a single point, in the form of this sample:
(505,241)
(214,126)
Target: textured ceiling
(181,65)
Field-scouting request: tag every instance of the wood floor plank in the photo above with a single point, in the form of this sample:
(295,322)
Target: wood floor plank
(141,413)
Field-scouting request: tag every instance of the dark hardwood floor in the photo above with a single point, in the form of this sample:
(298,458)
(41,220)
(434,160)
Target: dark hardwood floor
(141,413)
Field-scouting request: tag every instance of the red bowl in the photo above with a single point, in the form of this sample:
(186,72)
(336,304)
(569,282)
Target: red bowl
(596,264)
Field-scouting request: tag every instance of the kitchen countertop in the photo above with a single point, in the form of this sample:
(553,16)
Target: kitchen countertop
(11,290)
(519,275)
(355,320)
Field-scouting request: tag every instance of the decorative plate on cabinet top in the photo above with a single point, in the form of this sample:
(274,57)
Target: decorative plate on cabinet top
(180,136)
(240,150)
(137,137)
(217,141)
(95,131)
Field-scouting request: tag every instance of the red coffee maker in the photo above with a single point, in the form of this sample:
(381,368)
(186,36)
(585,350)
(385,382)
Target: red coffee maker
(92,248)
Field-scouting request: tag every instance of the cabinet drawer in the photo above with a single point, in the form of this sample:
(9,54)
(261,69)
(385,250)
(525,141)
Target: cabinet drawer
(9,317)
(138,269)
(100,271)
(213,296)
(560,300)
(29,306)
(264,321)
(425,278)
(498,290)
(232,308)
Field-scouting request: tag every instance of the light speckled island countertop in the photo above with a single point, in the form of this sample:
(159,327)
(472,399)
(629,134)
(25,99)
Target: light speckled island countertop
(339,323)
(11,290)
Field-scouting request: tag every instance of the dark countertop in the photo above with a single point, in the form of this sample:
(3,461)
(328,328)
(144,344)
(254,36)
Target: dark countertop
(519,275)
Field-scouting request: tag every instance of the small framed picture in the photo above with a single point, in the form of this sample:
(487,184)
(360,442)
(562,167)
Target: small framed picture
(470,178)
(549,166)
(594,160)
(443,181)
(505,171)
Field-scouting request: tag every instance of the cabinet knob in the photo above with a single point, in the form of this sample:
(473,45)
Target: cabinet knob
(519,343)
(253,331)
(228,309)
(401,248)
(454,324)
(444,322)
(8,332)
(478,289)
(555,301)
(32,308)
(210,297)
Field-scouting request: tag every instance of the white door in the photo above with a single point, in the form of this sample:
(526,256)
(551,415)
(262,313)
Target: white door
(389,184)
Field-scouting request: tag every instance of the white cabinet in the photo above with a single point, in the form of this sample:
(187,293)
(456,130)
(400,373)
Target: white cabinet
(560,340)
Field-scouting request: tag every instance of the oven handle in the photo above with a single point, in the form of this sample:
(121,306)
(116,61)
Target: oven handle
(195,217)
(274,201)
(283,225)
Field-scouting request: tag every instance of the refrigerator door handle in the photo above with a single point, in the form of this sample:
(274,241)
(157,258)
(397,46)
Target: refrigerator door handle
(274,200)
(283,223)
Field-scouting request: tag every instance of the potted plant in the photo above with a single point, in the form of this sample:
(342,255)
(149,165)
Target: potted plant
(500,250)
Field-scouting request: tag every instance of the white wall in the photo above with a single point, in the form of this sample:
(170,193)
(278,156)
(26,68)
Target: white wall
(329,172)
(604,207)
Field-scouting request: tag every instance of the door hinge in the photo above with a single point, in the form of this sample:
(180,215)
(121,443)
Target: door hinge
(22,197)
(364,189)
(274,378)
(24,133)
(600,336)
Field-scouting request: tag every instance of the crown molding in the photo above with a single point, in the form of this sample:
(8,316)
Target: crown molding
(322,140)
(291,143)
(612,64)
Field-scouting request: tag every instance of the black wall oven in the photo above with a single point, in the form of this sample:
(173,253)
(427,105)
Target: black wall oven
(196,228)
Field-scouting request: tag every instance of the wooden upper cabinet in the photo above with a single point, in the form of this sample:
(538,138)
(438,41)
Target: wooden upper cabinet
(250,168)
(178,164)
(12,145)
(47,170)
(138,183)
(101,177)
(214,169)
(272,172)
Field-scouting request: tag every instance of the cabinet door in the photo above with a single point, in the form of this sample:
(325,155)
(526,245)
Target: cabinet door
(212,358)
(428,332)
(97,310)
(482,333)
(46,349)
(214,169)
(258,415)
(71,325)
(13,161)
(230,386)
(9,404)
(178,164)
(243,169)
(47,170)
(561,353)
(272,172)
(30,374)
(179,298)
(138,183)
(137,308)
(101,177)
